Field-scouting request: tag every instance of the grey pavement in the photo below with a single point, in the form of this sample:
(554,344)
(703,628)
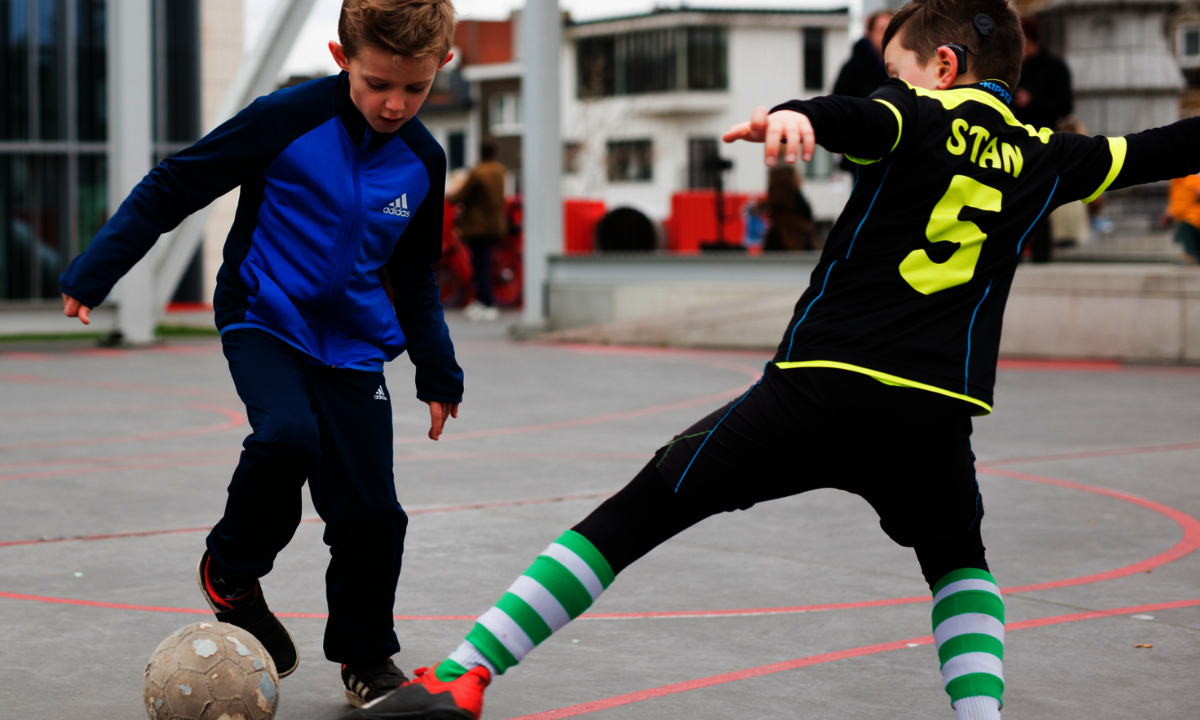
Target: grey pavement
(106,442)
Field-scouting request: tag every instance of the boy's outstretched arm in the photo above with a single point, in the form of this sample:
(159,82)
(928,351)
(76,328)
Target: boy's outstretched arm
(1090,166)
(859,128)
(176,188)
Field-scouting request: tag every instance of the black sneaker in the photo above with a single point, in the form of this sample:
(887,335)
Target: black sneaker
(367,683)
(249,611)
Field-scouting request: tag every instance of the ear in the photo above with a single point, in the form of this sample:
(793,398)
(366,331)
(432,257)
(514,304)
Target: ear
(449,57)
(339,56)
(947,67)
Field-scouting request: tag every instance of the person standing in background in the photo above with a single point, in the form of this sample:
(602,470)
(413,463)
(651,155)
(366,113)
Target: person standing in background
(864,72)
(1184,207)
(789,213)
(481,225)
(1043,98)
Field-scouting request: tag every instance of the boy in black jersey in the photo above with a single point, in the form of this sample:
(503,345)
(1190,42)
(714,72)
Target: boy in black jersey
(894,342)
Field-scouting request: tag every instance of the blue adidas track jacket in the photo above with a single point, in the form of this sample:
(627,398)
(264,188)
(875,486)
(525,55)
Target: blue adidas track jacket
(330,212)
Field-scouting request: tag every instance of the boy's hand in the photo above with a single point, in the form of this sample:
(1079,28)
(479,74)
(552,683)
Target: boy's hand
(74,308)
(770,128)
(438,412)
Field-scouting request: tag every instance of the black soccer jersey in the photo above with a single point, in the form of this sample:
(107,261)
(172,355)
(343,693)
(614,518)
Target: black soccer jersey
(914,276)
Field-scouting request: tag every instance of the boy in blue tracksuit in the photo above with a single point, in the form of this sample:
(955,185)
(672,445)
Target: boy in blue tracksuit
(326,276)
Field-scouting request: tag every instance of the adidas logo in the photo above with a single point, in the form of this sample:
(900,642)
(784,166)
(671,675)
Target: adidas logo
(379,394)
(399,206)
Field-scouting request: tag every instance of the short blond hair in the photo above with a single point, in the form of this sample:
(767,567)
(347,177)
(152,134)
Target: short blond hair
(418,29)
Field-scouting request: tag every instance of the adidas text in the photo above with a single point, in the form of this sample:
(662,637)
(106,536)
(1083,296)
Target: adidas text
(379,394)
(399,206)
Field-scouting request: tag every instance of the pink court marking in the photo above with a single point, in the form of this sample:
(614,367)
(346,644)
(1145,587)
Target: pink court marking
(674,688)
(236,419)
(1189,543)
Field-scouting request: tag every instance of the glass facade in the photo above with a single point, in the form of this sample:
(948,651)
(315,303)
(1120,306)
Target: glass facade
(54,127)
(652,61)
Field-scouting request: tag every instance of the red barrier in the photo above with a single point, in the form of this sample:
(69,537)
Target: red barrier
(694,219)
(579,225)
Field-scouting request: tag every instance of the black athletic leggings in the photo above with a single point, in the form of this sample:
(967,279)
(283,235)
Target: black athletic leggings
(798,430)
(646,513)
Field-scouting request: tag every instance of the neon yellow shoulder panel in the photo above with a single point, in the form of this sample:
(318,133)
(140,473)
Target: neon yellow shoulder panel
(954,97)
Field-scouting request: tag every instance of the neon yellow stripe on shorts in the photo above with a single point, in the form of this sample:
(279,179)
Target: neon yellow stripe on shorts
(886,379)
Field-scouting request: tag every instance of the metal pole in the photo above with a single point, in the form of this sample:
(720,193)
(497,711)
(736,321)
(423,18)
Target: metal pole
(129,147)
(541,150)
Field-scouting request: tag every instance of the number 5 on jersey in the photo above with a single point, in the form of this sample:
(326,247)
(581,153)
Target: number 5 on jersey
(927,276)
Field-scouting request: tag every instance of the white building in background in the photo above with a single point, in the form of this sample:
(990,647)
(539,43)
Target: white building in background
(646,98)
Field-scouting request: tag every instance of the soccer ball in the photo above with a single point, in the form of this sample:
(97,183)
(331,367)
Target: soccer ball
(211,671)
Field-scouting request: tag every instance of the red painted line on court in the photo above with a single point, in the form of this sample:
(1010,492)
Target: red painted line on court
(224,457)
(310,520)
(95,410)
(236,419)
(109,460)
(1189,525)
(580,422)
(110,385)
(675,688)
(1189,543)
(1086,455)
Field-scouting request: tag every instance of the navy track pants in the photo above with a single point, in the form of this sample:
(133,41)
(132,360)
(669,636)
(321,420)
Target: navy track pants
(333,428)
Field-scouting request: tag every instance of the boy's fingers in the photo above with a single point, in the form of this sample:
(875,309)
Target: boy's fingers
(758,122)
(793,142)
(83,315)
(454,410)
(808,137)
(435,420)
(771,152)
(741,131)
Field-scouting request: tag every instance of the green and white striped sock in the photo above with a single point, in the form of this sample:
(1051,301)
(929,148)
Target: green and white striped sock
(968,630)
(558,587)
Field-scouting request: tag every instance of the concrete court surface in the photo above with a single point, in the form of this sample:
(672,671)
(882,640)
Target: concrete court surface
(1089,474)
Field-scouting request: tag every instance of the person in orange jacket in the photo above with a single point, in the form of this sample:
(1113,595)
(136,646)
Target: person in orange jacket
(1184,207)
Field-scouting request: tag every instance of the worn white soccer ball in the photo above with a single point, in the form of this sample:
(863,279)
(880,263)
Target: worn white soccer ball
(211,671)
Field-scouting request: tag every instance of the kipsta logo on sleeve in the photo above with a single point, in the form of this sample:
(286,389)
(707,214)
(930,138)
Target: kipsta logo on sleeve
(399,206)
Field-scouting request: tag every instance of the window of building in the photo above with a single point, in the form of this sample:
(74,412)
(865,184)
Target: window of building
(630,160)
(814,58)
(651,61)
(571,153)
(54,127)
(1188,42)
(456,149)
(504,114)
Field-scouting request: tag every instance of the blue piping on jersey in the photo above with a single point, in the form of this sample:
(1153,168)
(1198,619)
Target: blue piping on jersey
(710,432)
(792,337)
(970,328)
(1021,242)
(869,207)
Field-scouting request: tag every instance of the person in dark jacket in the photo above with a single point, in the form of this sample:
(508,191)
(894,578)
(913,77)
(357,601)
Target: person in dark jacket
(864,72)
(327,275)
(1043,99)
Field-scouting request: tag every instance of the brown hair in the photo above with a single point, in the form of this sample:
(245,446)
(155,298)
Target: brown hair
(417,29)
(873,17)
(929,24)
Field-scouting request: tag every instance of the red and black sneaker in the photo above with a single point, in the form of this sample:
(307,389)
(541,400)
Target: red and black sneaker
(246,608)
(427,698)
